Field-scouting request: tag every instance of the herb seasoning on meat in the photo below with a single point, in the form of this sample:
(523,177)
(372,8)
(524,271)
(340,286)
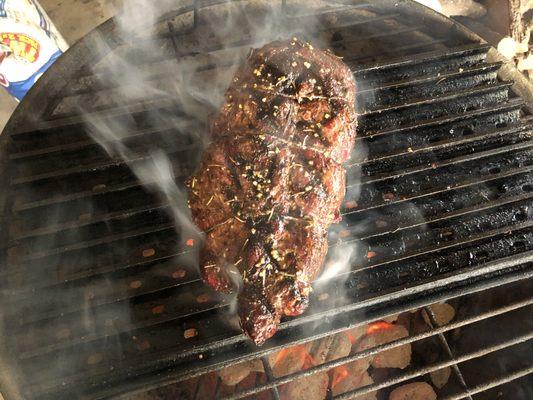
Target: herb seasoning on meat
(272,181)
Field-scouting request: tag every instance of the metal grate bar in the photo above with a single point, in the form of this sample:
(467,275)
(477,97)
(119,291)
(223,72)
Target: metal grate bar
(351,24)
(433,109)
(378,349)
(436,58)
(447,216)
(340,7)
(170,377)
(513,104)
(105,163)
(456,186)
(150,286)
(26,205)
(401,93)
(447,349)
(422,371)
(24,230)
(434,78)
(426,46)
(270,377)
(492,384)
(438,99)
(104,217)
(42,149)
(419,98)
(102,298)
(157,206)
(431,249)
(452,145)
(89,83)
(97,242)
(308,318)
(336,42)
(148,104)
(163,253)
(463,56)
(446,163)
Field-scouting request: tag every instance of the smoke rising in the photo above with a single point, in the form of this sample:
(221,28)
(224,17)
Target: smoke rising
(197,86)
(200,74)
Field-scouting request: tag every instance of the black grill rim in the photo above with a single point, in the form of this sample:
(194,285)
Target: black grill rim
(82,53)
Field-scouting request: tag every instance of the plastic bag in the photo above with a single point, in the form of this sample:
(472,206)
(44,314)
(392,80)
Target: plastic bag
(29,44)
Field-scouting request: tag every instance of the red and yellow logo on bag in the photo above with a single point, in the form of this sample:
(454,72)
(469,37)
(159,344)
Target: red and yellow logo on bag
(21,46)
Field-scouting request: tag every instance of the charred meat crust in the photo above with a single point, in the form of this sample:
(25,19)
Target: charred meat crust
(271,183)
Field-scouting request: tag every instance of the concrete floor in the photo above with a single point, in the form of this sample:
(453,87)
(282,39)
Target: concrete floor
(74,19)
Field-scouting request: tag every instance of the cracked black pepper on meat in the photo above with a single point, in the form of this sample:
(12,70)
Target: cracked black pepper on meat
(272,181)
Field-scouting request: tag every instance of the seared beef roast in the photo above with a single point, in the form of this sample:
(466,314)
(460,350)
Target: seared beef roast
(271,183)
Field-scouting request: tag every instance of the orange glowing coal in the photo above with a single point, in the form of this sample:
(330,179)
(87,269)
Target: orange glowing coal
(308,360)
(297,353)
(339,374)
(378,326)
(281,355)
(351,338)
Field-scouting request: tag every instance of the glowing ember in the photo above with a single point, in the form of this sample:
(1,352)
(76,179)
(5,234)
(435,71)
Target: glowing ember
(287,361)
(351,337)
(158,309)
(305,358)
(339,374)
(190,333)
(291,359)
(377,326)
(148,253)
(180,273)
(308,360)
(281,355)
(203,298)
(351,204)
(135,284)
(190,242)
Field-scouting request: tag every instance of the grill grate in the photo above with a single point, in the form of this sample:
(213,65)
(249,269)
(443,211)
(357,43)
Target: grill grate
(520,303)
(442,209)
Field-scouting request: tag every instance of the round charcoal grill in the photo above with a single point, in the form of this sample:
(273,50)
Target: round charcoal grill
(100,294)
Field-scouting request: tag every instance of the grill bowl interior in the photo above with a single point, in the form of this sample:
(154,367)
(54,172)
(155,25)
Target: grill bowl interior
(438,200)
